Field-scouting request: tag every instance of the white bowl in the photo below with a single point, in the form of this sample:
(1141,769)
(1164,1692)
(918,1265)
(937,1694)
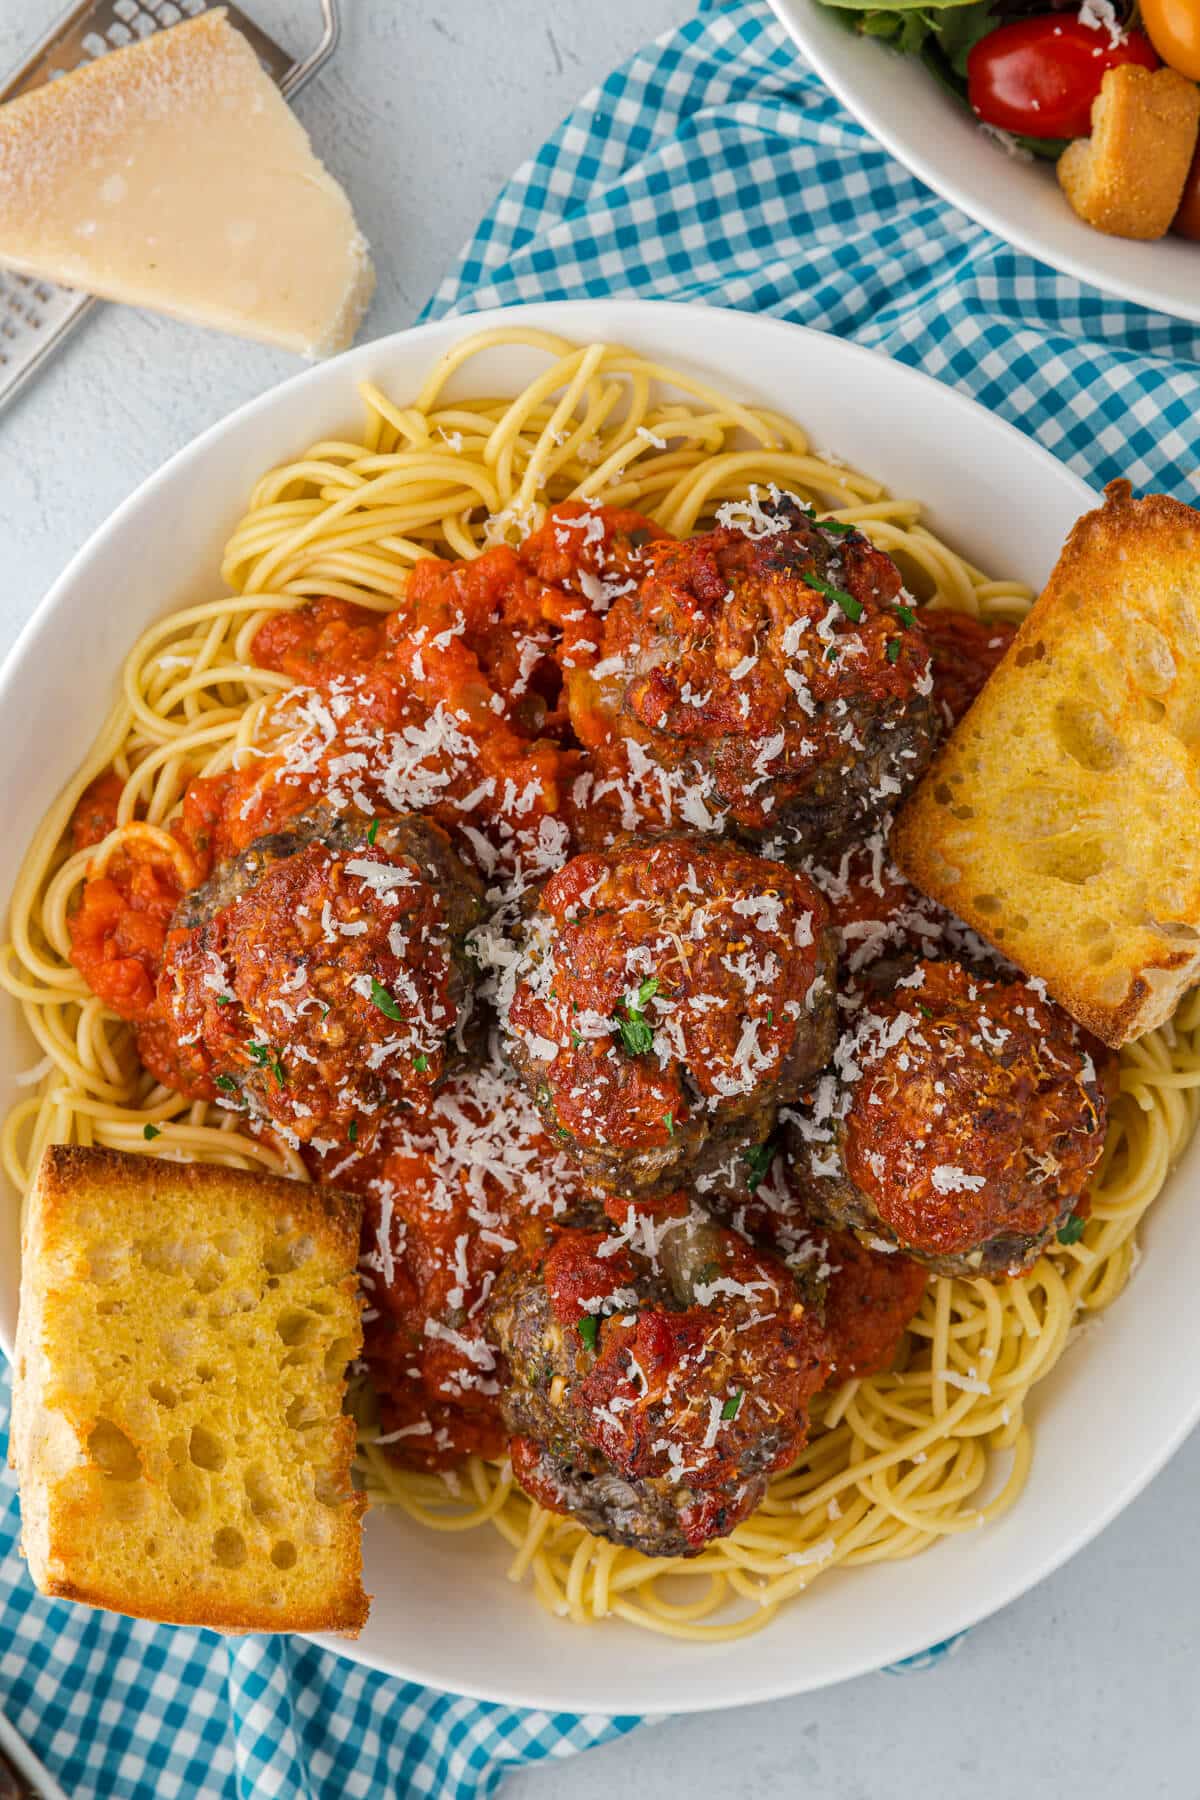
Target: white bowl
(913,116)
(444,1614)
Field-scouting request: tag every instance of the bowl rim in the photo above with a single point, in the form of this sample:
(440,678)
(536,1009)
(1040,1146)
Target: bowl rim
(939,174)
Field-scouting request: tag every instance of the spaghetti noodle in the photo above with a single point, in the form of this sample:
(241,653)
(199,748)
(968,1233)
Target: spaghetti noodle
(938,1445)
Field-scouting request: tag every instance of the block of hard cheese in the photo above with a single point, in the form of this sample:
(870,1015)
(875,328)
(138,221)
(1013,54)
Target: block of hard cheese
(1062,817)
(173,175)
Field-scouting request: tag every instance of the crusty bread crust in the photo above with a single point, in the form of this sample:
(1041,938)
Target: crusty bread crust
(1127,178)
(1060,819)
(68,1171)
(182,1345)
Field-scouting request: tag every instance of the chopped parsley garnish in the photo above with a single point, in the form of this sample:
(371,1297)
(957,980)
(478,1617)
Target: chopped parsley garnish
(669,1122)
(267,1058)
(421,1063)
(386,1003)
(352,1131)
(636,1033)
(770,1015)
(906,615)
(836,527)
(226,1083)
(893,650)
(758,1160)
(589,1327)
(1072,1231)
(924,1011)
(372,832)
(224,999)
(150,1132)
(852,608)
(576,1040)
(831,655)
(733,1405)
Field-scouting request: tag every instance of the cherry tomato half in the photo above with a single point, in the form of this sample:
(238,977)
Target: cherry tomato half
(1173,27)
(1038,77)
(1187,220)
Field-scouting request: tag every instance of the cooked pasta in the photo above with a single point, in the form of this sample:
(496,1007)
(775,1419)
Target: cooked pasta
(940,1444)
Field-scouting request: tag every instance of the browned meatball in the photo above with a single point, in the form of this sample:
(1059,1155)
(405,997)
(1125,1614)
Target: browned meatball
(319,977)
(774,674)
(961,1122)
(659,1377)
(666,997)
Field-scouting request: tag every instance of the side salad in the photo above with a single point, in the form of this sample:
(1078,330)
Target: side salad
(1040,75)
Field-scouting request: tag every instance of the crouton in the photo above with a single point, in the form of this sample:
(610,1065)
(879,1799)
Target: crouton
(1127,178)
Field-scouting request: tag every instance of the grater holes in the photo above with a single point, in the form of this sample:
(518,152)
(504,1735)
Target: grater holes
(93,44)
(192,7)
(168,14)
(119,35)
(126,9)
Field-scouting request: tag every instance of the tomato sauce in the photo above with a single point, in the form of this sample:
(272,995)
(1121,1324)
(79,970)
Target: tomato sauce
(475,702)
(119,929)
(448,1193)
(965,651)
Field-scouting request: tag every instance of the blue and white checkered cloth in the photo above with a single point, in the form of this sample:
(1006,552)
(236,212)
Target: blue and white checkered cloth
(716,166)
(713,166)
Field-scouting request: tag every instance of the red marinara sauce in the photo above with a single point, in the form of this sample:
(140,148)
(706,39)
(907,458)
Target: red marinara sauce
(965,651)
(120,926)
(447,1192)
(450,705)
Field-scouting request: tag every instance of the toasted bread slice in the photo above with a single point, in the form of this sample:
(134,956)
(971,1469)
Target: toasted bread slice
(1061,818)
(1127,178)
(178,1434)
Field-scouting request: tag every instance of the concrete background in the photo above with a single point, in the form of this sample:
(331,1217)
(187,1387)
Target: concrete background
(1087,1689)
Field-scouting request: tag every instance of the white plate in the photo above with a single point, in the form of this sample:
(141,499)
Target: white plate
(913,116)
(444,1613)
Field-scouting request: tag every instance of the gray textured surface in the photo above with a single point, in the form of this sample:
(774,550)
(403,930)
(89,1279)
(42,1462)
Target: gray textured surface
(1088,1688)
(426,110)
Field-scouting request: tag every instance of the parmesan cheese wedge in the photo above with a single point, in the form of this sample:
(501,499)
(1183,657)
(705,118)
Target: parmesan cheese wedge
(173,175)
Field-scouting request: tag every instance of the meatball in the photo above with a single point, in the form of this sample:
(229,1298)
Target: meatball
(774,674)
(654,1391)
(665,998)
(319,977)
(960,1122)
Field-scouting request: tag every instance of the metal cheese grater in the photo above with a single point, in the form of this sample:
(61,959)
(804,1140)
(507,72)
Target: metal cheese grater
(35,316)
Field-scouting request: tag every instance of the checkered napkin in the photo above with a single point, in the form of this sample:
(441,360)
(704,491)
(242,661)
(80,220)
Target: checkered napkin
(121,1710)
(713,166)
(716,166)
